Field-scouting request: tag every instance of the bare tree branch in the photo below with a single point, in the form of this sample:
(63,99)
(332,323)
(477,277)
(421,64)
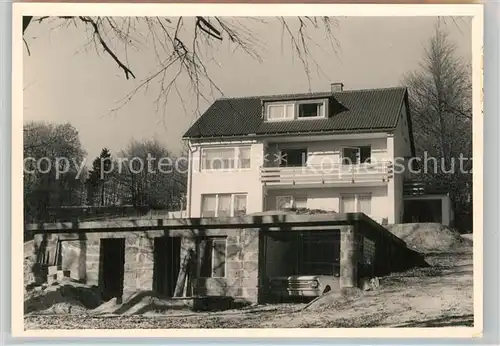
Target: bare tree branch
(106,48)
(189,57)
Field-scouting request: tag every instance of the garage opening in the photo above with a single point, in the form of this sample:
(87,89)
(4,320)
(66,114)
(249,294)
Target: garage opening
(112,264)
(321,253)
(425,210)
(167,258)
(302,264)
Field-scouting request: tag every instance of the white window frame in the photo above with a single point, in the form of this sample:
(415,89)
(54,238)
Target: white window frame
(321,108)
(358,156)
(322,103)
(212,264)
(356,200)
(217,196)
(284,105)
(236,157)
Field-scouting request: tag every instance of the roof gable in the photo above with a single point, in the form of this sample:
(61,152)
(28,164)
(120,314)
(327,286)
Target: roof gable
(349,111)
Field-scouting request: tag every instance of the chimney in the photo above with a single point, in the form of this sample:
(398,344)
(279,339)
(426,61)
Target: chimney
(336,87)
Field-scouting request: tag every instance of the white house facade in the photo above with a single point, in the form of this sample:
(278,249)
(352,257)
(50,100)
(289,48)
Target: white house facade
(341,151)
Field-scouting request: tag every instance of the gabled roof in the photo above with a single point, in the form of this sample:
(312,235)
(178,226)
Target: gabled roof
(366,110)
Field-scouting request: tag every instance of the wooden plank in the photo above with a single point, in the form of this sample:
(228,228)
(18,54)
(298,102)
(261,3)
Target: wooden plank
(180,287)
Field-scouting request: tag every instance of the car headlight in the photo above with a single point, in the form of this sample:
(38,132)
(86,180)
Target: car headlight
(314,284)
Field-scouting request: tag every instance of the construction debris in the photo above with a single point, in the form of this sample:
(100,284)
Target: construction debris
(429,237)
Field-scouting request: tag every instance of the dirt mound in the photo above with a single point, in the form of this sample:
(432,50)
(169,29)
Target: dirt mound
(29,261)
(468,236)
(429,237)
(140,303)
(69,297)
(334,300)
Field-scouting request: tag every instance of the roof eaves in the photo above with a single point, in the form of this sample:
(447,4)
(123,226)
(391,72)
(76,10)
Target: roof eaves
(279,133)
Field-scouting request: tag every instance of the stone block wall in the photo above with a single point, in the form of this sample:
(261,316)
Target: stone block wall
(81,255)
(241,268)
(349,253)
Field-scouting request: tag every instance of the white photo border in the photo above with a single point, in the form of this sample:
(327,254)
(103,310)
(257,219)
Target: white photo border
(484,203)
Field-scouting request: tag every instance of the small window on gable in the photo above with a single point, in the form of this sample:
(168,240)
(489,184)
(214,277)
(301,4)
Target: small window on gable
(310,110)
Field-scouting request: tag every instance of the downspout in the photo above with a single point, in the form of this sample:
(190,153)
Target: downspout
(190,179)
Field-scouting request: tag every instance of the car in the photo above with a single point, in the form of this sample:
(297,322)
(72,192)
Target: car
(303,285)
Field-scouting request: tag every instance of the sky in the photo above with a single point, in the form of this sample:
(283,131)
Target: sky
(67,80)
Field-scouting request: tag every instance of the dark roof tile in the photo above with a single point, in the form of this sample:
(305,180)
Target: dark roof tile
(353,110)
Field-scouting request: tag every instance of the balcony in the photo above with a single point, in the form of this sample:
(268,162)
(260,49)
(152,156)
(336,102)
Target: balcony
(375,174)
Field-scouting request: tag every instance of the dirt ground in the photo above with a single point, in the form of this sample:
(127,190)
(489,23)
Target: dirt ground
(437,296)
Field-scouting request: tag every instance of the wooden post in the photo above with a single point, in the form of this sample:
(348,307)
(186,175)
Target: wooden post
(181,279)
(348,258)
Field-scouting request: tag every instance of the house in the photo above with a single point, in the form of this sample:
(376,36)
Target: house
(341,151)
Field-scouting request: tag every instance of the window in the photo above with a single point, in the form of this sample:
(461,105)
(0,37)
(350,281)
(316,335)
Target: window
(348,204)
(365,154)
(310,110)
(284,202)
(223,205)
(296,110)
(281,112)
(208,206)
(212,257)
(300,202)
(240,205)
(356,155)
(350,156)
(364,204)
(287,202)
(293,157)
(356,203)
(225,158)
(244,157)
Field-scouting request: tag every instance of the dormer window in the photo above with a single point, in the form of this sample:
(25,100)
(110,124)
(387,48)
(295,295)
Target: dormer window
(277,112)
(310,110)
(296,110)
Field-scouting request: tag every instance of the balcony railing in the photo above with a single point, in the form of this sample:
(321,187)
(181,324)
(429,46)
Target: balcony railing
(419,187)
(338,174)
